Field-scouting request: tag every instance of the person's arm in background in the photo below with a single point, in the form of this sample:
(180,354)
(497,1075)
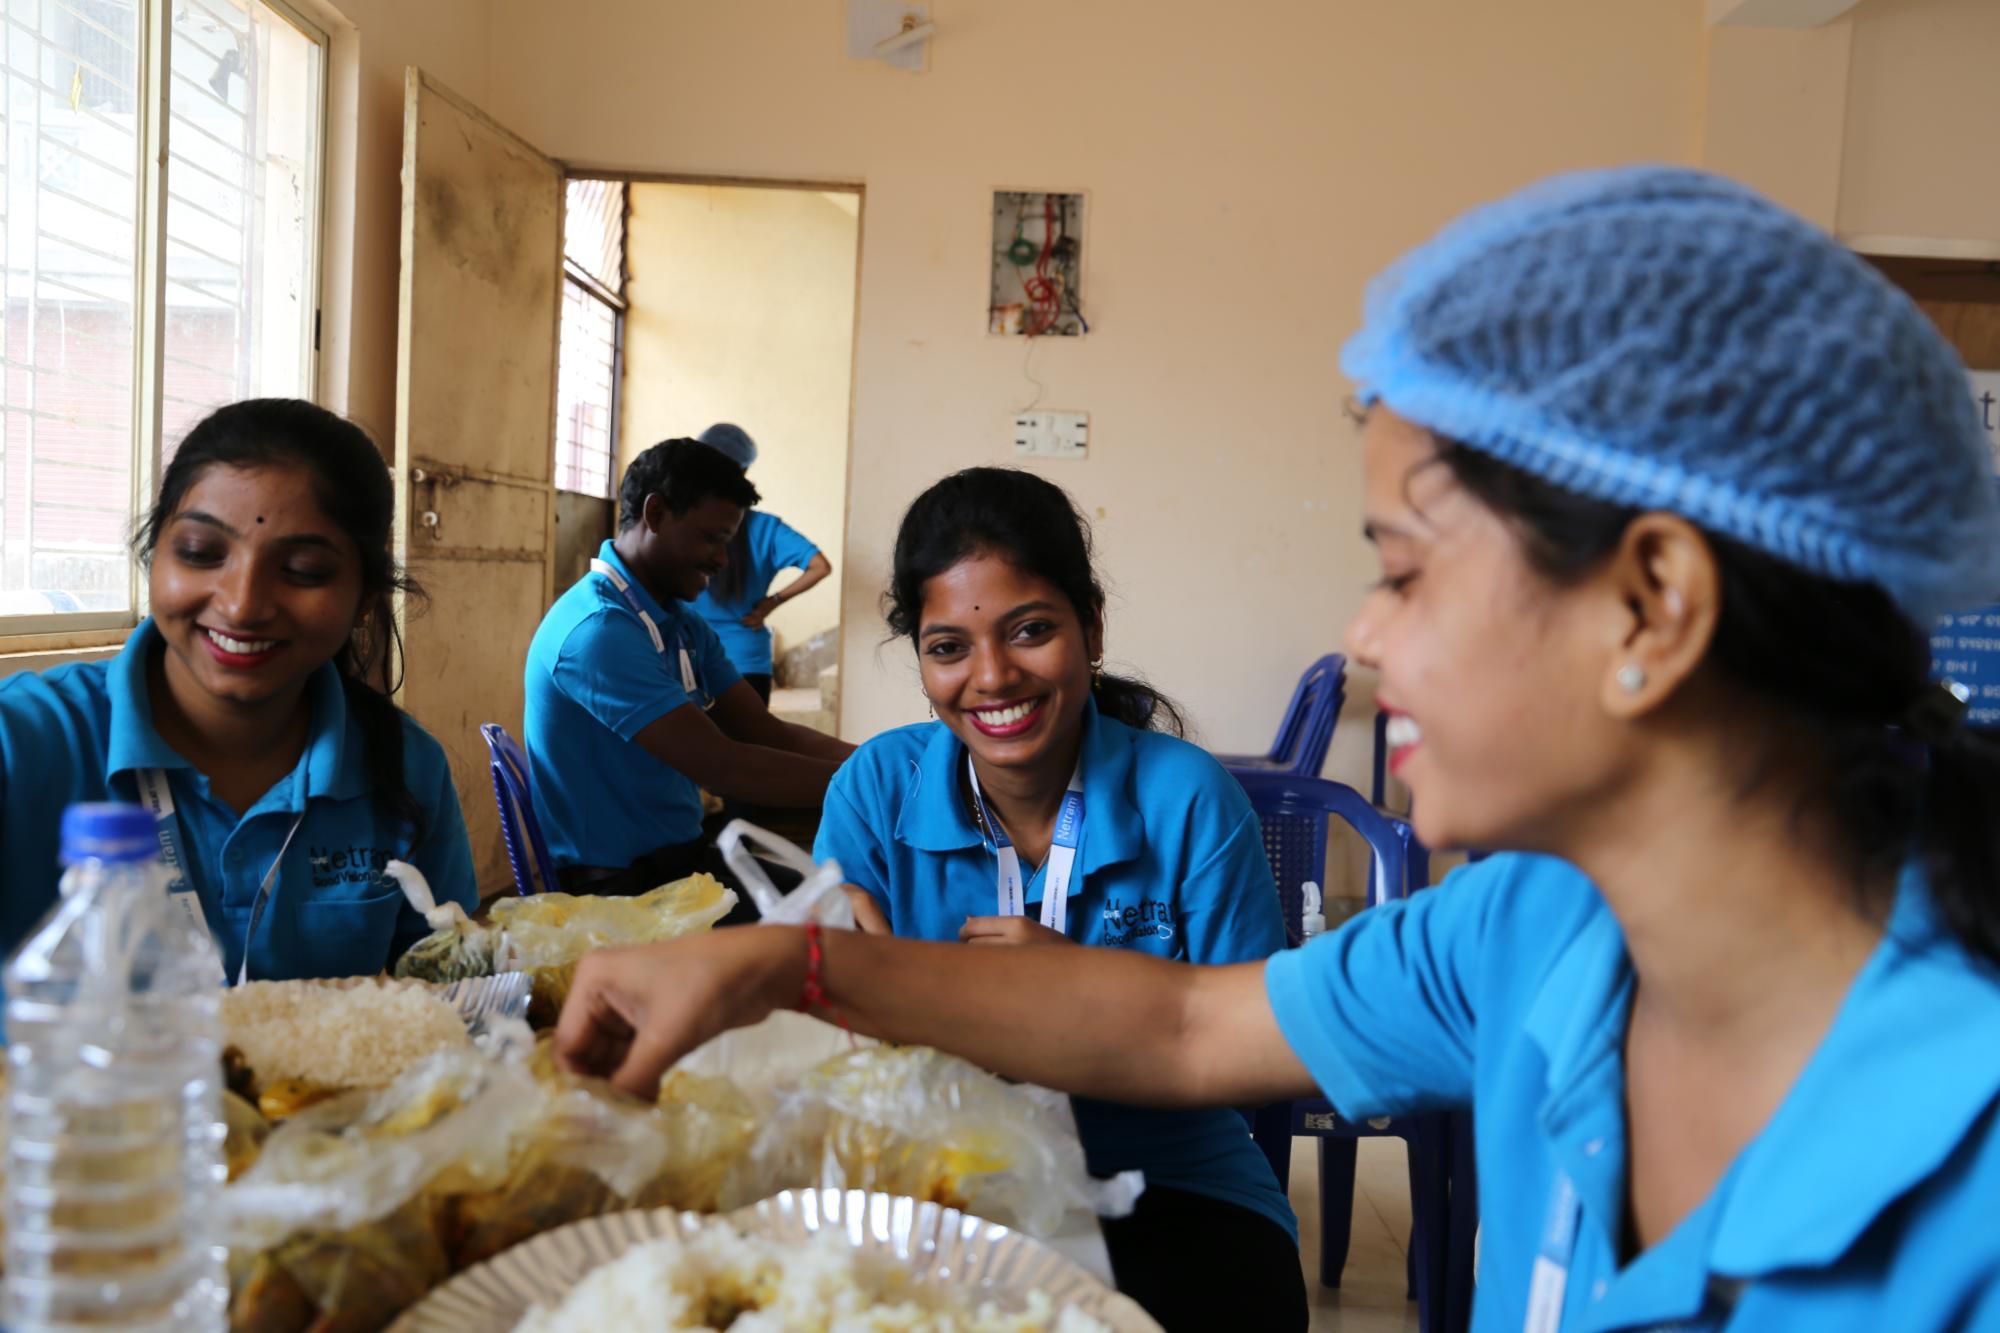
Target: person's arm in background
(745,717)
(609,667)
(816,571)
(738,768)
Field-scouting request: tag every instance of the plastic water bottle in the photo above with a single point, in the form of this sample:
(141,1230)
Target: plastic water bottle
(114,1140)
(1312,919)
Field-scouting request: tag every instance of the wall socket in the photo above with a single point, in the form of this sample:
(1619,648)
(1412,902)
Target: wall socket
(1051,434)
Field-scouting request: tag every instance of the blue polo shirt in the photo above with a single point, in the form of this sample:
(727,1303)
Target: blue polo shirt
(1870,1201)
(594,682)
(772,545)
(1171,863)
(82,732)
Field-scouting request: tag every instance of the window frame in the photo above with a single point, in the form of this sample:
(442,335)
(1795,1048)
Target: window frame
(616,301)
(80,631)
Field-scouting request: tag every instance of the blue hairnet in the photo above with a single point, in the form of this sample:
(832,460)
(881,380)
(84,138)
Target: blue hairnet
(732,442)
(1666,339)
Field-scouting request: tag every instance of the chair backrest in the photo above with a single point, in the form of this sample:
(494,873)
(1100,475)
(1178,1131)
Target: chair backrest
(1306,731)
(1293,811)
(527,851)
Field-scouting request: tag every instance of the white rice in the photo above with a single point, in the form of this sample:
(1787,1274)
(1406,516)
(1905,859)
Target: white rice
(673,1285)
(338,1035)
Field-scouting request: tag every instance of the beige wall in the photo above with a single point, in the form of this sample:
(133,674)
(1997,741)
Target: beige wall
(1244,179)
(742,309)
(372,41)
(1776,113)
(1923,122)
(1879,126)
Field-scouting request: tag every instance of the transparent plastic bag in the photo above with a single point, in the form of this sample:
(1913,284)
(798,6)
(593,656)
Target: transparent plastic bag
(335,1226)
(589,1149)
(360,1156)
(545,934)
(912,1120)
(820,895)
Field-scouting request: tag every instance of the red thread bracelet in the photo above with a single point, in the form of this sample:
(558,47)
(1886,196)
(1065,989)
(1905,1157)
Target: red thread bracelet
(813,994)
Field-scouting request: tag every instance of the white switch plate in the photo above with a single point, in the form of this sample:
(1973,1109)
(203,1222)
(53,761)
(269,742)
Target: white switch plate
(1051,434)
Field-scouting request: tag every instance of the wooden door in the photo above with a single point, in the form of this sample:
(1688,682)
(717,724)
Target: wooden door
(475,413)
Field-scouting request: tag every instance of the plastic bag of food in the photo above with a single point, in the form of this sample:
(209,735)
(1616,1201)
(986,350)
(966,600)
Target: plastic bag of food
(332,1227)
(589,1149)
(354,1280)
(582,1149)
(545,934)
(360,1156)
(912,1120)
(457,947)
(705,1126)
(245,1131)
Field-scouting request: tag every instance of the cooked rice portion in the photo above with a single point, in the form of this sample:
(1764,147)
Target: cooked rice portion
(338,1035)
(751,1284)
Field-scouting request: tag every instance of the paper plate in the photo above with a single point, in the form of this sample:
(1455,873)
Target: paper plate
(940,1245)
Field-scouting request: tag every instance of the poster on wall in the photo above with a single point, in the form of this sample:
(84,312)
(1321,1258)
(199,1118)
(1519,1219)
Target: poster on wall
(1966,647)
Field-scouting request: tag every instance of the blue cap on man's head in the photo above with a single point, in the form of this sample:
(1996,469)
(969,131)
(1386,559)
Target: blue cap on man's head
(732,442)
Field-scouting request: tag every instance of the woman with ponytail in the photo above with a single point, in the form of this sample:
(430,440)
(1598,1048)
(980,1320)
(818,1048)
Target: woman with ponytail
(1666,486)
(1053,803)
(249,710)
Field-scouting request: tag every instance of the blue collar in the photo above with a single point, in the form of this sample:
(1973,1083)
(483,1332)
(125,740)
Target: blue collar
(1901,1079)
(1887,1098)
(334,763)
(935,819)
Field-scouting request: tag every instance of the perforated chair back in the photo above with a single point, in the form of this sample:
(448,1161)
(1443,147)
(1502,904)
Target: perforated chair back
(1293,812)
(527,851)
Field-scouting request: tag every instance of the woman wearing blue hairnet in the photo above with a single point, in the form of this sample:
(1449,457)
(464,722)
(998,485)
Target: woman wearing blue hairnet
(738,600)
(1666,488)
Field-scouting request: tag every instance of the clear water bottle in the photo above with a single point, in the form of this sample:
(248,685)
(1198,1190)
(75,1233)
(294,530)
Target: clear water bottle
(114,1139)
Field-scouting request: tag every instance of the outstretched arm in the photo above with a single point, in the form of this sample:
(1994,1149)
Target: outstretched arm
(1099,1022)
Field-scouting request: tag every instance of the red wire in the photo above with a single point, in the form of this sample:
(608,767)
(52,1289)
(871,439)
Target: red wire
(1039,289)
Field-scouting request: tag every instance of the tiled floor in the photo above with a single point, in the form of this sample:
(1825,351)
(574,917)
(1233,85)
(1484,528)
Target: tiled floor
(1370,1298)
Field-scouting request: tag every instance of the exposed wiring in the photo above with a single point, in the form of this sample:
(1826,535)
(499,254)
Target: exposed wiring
(1047,271)
(1027,363)
(1046,309)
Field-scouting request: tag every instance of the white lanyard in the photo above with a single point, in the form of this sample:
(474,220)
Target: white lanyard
(1551,1272)
(159,798)
(1062,854)
(688,680)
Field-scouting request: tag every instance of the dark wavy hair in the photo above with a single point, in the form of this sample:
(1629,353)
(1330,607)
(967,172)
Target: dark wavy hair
(1035,526)
(1838,666)
(351,483)
(682,472)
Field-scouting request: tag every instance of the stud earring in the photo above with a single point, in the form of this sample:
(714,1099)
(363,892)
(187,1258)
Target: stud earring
(1631,678)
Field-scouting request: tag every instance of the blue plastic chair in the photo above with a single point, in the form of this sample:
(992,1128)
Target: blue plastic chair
(527,850)
(1306,732)
(1293,812)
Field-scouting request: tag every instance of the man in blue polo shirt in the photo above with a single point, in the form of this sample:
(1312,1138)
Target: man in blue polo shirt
(632,705)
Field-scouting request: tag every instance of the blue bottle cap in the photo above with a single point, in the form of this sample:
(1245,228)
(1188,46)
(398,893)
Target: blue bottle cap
(108,831)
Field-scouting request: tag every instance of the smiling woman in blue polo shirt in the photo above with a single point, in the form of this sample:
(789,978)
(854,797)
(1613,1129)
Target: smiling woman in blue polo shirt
(1045,805)
(1667,488)
(241,710)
